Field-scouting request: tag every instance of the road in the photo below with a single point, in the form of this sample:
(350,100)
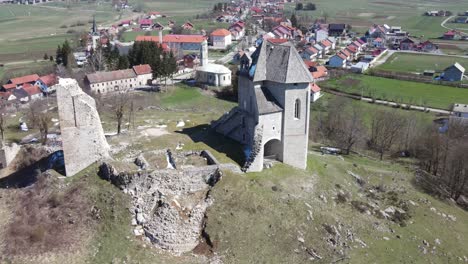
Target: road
(391,104)
(445,21)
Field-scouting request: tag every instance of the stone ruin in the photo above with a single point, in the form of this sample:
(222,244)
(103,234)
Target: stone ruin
(168,205)
(8,153)
(82,135)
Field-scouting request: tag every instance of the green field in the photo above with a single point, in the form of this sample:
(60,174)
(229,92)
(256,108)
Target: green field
(418,63)
(29,31)
(415,93)
(363,13)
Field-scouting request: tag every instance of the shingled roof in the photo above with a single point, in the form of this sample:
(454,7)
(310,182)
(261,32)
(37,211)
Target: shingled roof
(279,63)
(266,102)
(100,77)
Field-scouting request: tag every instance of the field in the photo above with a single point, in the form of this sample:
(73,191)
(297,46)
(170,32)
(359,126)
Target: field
(417,63)
(363,13)
(29,31)
(415,93)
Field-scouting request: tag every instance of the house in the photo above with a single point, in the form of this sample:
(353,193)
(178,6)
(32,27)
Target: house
(450,35)
(353,51)
(326,44)
(187,26)
(321,34)
(360,67)
(285,32)
(338,60)
(336,30)
(237,30)
(356,44)
(184,42)
(33,91)
(314,92)
(408,44)
(158,26)
(378,43)
(154,14)
(157,39)
(321,51)
(191,60)
(48,83)
(125,23)
(319,72)
(209,73)
(378,31)
(347,53)
(427,46)
(145,24)
(19,82)
(460,110)
(432,13)
(310,53)
(453,73)
(221,38)
(461,19)
(19,94)
(120,80)
(273,112)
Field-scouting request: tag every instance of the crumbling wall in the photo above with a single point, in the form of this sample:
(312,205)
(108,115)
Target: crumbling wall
(168,206)
(83,137)
(7,154)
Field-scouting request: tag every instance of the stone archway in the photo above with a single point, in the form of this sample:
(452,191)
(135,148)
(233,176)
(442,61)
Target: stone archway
(273,149)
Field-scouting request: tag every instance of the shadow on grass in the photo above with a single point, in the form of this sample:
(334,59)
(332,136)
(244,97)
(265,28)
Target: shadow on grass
(28,175)
(218,142)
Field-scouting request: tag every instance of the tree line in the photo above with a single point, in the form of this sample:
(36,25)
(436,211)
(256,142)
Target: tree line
(307,7)
(440,153)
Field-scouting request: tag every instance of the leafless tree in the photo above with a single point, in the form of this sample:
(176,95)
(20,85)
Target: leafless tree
(120,101)
(43,123)
(385,128)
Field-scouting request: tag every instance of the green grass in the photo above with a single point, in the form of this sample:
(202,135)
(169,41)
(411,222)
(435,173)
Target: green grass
(272,219)
(406,62)
(437,96)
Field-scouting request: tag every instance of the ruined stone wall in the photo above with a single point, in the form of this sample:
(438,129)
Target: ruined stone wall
(167,205)
(7,154)
(83,137)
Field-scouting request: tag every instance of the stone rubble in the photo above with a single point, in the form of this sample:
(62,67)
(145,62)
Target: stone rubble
(168,206)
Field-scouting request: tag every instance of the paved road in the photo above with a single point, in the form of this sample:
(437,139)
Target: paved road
(392,104)
(445,21)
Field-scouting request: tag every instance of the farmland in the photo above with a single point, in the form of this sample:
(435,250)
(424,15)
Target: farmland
(431,95)
(417,63)
(363,13)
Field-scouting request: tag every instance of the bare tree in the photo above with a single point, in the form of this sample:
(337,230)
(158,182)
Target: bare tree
(43,123)
(385,129)
(120,101)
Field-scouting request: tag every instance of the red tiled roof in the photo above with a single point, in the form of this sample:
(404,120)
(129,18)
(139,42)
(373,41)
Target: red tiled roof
(309,63)
(326,43)
(341,55)
(49,80)
(183,38)
(221,32)
(9,86)
(25,79)
(378,40)
(32,89)
(450,33)
(314,87)
(142,69)
(352,49)
(320,72)
(346,52)
(154,39)
(278,41)
(313,50)
(146,22)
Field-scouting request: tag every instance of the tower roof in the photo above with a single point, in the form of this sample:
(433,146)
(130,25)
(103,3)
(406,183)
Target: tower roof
(279,62)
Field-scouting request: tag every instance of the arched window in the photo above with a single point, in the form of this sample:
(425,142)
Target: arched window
(297,109)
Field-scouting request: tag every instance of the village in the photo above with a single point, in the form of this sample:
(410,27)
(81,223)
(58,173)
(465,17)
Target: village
(153,134)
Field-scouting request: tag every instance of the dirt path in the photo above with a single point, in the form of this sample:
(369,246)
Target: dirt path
(445,21)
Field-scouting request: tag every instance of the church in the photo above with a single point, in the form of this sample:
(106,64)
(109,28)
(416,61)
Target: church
(272,116)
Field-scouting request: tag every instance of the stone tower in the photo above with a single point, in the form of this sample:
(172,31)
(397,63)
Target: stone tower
(83,138)
(272,116)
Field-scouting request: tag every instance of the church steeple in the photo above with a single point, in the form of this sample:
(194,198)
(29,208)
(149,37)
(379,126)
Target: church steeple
(94,28)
